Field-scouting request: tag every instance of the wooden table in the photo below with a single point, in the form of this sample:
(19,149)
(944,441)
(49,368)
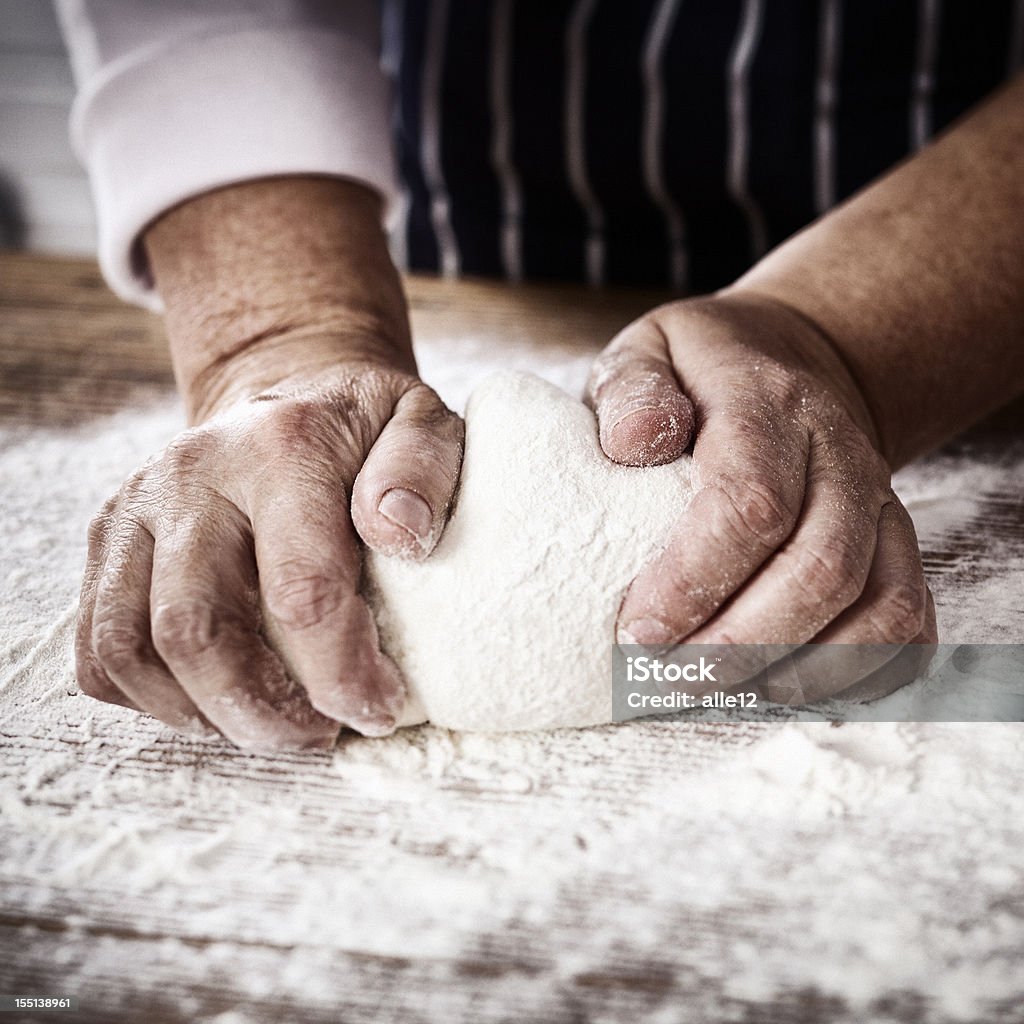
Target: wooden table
(70,350)
(620,874)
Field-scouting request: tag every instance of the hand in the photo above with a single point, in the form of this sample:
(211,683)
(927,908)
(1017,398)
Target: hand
(794,533)
(240,530)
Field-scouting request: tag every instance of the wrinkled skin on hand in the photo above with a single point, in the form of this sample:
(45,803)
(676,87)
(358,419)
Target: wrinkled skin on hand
(794,534)
(246,530)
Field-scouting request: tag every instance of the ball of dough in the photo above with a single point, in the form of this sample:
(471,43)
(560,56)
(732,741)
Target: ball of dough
(509,624)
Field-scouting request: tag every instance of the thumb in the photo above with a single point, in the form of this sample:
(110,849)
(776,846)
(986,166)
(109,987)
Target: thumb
(644,419)
(402,495)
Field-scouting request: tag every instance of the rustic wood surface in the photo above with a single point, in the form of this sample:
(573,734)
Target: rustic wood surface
(69,349)
(444,878)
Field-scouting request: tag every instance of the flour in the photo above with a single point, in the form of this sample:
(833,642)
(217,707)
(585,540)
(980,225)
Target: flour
(751,872)
(510,623)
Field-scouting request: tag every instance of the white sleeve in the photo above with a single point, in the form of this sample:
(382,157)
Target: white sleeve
(180,97)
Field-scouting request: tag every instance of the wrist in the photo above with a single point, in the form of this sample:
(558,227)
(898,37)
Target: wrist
(272,280)
(797,336)
(300,357)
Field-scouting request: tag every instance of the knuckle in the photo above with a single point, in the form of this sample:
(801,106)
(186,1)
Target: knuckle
(301,595)
(99,526)
(119,647)
(136,487)
(90,683)
(186,629)
(426,405)
(835,572)
(753,510)
(97,531)
(439,420)
(311,430)
(297,418)
(185,453)
(792,391)
(93,682)
(899,615)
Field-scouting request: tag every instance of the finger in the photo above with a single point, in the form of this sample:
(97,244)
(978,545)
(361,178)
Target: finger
(751,473)
(864,643)
(401,497)
(894,606)
(929,635)
(910,664)
(121,634)
(92,678)
(205,627)
(644,419)
(309,573)
(821,570)
(901,598)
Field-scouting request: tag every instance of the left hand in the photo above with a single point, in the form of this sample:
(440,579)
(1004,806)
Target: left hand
(794,533)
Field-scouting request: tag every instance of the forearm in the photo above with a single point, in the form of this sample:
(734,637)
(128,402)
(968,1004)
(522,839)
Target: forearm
(271,278)
(919,281)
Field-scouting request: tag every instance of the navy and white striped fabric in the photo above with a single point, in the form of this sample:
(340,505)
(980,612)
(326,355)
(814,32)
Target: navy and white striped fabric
(664,142)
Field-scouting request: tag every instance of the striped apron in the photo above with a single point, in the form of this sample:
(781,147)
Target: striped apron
(663,142)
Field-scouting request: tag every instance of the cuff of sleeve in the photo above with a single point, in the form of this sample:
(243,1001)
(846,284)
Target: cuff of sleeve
(180,119)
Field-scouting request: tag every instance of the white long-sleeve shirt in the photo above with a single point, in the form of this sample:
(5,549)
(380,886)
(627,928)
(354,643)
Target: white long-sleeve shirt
(176,98)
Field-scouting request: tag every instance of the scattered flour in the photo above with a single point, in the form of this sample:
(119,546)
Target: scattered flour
(790,871)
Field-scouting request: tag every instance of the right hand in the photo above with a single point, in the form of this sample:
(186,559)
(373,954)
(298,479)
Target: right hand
(241,531)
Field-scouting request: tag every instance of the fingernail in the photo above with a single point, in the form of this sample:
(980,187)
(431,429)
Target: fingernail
(374,725)
(647,632)
(409,511)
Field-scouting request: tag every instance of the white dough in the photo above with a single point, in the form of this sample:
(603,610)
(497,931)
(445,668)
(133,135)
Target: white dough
(509,624)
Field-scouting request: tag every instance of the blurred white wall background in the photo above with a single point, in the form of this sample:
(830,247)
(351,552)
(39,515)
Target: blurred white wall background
(44,196)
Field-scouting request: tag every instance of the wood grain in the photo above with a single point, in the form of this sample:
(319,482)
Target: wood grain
(69,349)
(176,881)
